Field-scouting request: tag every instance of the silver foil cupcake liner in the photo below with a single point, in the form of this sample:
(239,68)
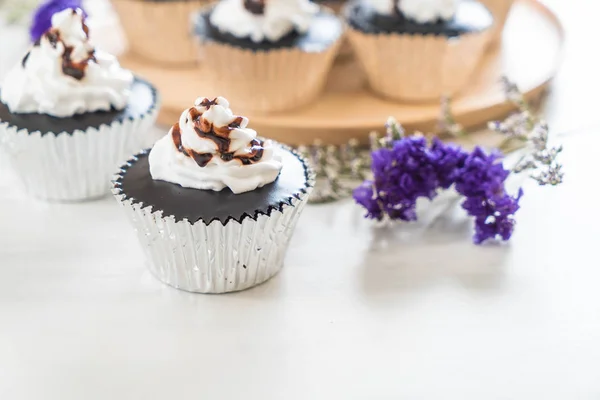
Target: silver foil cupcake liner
(73,166)
(218,257)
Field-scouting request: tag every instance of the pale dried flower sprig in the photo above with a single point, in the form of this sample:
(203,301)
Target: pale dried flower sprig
(540,159)
(448,124)
(339,169)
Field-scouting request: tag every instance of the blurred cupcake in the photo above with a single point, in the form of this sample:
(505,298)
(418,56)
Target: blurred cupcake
(335,5)
(159,30)
(69,114)
(418,50)
(500,10)
(345,50)
(268,55)
(214,206)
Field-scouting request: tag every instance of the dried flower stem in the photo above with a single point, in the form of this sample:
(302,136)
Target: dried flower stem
(338,168)
(530,132)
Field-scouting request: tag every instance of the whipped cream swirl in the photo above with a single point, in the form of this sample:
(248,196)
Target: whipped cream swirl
(210,148)
(63,74)
(263,20)
(421,11)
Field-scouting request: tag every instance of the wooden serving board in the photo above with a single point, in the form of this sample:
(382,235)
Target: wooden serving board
(530,54)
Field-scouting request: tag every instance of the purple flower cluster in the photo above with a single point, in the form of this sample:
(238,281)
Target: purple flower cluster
(42,18)
(481,181)
(410,168)
(494,216)
(399,188)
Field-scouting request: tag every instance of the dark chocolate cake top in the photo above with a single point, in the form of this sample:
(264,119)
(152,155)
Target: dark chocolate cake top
(142,103)
(135,183)
(63,75)
(269,24)
(451,18)
(211,166)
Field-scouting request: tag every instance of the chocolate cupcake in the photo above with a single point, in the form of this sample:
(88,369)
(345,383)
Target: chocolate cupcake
(69,114)
(418,50)
(268,55)
(159,30)
(335,5)
(213,205)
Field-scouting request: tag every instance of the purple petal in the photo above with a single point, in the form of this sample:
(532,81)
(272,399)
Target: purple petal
(42,18)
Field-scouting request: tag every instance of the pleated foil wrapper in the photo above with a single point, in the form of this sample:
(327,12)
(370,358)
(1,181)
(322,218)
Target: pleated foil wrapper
(500,10)
(159,31)
(416,67)
(74,166)
(217,257)
(267,81)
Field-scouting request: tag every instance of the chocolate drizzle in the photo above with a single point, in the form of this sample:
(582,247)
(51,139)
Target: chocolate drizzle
(176,134)
(256,7)
(24,61)
(208,103)
(218,135)
(202,159)
(74,69)
(53,36)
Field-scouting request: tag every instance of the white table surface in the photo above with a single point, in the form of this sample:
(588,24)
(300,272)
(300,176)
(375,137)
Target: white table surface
(417,312)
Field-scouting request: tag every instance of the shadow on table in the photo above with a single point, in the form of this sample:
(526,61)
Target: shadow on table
(408,258)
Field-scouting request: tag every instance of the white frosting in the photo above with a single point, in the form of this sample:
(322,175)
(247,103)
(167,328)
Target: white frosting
(168,163)
(280,17)
(41,86)
(421,11)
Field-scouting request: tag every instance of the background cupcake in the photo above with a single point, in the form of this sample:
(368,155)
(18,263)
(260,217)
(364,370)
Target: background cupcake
(335,5)
(418,50)
(69,113)
(214,207)
(500,10)
(268,55)
(159,30)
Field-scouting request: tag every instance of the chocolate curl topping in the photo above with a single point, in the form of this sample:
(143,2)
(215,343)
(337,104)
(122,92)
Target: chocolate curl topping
(256,7)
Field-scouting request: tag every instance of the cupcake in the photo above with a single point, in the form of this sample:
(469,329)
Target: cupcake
(159,30)
(213,205)
(500,10)
(335,5)
(268,55)
(418,50)
(69,114)
(345,50)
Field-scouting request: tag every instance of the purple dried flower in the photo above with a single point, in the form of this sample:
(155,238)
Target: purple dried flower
(408,168)
(481,181)
(448,159)
(402,174)
(482,175)
(494,216)
(42,19)
(365,196)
